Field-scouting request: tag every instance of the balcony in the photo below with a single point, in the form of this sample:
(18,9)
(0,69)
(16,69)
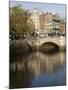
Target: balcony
(56,28)
(56,20)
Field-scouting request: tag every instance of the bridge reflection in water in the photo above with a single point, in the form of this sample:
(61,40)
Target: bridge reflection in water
(38,69)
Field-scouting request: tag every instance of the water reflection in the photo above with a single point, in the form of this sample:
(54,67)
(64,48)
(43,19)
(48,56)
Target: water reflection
(28,71)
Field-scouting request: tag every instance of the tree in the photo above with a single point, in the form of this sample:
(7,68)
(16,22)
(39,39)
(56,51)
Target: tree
(19,20)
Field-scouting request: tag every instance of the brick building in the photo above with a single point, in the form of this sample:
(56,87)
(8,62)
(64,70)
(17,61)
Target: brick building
(46,22)
(56,23)
(42,21)
(62,27)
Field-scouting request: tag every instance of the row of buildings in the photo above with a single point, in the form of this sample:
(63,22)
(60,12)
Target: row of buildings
(47,22)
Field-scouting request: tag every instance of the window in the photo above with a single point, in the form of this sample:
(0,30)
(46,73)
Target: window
(47,25)
(50,25)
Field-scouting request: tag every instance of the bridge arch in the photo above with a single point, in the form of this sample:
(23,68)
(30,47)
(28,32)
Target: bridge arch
(49,47)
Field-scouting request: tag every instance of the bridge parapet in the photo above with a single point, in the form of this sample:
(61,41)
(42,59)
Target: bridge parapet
(60,41)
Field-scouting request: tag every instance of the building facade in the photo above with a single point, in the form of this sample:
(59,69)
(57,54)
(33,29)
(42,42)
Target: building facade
(56,23)
(35,19)
(42,21)
(46,22)
(62,27)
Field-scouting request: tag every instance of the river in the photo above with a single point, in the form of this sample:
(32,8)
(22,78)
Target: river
(38,70)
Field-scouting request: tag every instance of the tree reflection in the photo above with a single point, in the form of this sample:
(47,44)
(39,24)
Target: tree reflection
(24,71)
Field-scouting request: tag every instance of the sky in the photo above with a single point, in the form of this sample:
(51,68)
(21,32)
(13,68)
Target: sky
(45,7)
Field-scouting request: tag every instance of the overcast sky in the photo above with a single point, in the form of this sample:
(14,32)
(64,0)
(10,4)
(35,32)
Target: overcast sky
(54,8)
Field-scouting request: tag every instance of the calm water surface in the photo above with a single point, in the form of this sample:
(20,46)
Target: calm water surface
(38,70)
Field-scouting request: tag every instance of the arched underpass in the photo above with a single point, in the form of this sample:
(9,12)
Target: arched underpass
(49,47)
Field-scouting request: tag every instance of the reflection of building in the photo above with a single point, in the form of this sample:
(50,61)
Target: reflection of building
(40,63)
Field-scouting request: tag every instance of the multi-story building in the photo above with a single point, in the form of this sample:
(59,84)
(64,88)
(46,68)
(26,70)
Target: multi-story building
(52,23)
(49,22)
(42,22)
(56,23)
(35,19)
(46,22)
(62,27)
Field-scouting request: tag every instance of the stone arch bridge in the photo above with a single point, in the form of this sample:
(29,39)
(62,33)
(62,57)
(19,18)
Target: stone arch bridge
(59,41)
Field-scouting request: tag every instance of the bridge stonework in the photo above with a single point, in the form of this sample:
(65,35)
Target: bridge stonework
(59,41)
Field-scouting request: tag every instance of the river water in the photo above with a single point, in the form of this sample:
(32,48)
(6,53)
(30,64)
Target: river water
(38,70)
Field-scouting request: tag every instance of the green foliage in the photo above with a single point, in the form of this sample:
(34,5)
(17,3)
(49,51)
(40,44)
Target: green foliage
(19,20)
